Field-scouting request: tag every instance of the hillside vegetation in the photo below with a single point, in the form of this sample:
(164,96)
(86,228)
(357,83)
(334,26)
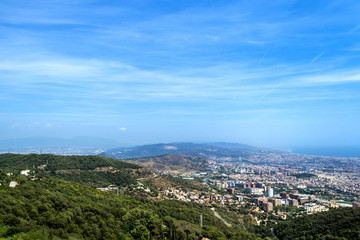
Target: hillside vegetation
(162,182)
(337,224)
(50,208)
(57,162)
(92,171)
(175,164)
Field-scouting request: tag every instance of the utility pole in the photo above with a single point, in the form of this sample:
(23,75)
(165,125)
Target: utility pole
(201,221)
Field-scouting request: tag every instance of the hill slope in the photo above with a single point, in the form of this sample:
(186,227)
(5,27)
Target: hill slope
(175,164)
(162,182)
(343,223)
(19,162)
(92,171)
(50,208)
(199,150)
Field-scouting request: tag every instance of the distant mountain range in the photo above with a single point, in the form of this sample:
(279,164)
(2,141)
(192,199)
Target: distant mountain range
(54,144)
(220,149)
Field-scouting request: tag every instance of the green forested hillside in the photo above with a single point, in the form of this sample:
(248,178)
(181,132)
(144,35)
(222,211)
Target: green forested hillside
(336,224)
(164,182)
(175,164)
(57,162)
(92,171)
(50,208)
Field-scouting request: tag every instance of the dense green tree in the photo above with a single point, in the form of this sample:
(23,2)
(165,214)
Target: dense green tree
(343,223)
(50,208)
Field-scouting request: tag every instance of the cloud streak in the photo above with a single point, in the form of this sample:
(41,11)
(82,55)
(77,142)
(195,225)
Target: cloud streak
(94,84)
(318,56)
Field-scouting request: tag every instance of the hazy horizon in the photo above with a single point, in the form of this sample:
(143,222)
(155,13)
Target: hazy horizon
(276,74)
(42,143)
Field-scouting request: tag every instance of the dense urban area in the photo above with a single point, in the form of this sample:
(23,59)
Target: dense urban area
(278,183)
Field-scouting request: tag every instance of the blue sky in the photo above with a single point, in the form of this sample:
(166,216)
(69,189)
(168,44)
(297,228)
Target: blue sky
(267,73)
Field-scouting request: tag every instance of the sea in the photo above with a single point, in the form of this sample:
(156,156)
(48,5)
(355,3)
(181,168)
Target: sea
(334,151)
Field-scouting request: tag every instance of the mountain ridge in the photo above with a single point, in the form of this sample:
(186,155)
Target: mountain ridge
(219,149)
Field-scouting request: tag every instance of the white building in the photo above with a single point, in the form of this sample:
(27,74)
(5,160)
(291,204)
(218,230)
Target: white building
(255,190)
(25,172)
(313,208)
(13,184)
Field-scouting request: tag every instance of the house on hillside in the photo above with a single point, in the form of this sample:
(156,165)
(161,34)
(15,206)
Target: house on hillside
(13,184)
(25,172)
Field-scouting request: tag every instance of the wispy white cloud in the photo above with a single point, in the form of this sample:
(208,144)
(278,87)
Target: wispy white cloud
(48,68)
(31,125)
(263,57)
(354,29)
(97,82)
(326,79)
(318,56)
(354,49)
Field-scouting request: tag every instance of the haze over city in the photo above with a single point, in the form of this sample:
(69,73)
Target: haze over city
(268,73)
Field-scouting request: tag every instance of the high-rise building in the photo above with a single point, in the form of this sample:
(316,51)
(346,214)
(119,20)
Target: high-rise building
(293,202)
(303,200)
(260,201)
(268,207)
(270,192)
(276,202)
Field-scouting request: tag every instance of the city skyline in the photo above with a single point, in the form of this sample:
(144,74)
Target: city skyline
(274,74)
